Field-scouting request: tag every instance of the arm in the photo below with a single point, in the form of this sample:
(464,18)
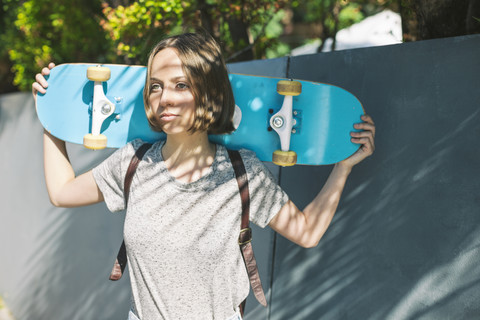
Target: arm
(64,189)
(308,227)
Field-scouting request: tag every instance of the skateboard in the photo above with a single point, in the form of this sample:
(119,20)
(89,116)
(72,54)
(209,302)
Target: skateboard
(283,121)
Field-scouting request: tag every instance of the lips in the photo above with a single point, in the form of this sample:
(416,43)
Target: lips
(167,116)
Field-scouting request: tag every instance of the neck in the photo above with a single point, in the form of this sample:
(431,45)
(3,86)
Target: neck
(188,156)
(187,146)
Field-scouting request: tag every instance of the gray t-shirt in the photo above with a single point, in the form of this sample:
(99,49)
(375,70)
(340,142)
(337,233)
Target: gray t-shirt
(182,238)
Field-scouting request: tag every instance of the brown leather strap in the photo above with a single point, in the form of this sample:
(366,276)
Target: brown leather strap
(137,157)
(121,261)
(242,181)
(241,307)
(245,236)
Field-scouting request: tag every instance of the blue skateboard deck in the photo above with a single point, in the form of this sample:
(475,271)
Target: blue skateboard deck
(324,114)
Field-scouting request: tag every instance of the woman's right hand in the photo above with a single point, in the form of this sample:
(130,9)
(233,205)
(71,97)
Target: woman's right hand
(64,188)
(41,84)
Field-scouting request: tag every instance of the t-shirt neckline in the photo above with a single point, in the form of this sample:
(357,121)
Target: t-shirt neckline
(202,182)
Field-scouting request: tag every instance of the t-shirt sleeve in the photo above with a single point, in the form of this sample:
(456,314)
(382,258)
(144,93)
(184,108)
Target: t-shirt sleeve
(110,175)
(266,196)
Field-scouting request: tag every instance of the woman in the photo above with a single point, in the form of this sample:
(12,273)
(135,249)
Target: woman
(183,212)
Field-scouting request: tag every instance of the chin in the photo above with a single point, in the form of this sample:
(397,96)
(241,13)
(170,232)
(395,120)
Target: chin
(169,130)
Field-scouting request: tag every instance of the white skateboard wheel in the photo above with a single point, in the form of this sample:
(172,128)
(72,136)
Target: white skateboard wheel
(96,142)
(284,158)
(289,88)
(237,117)
(98,73)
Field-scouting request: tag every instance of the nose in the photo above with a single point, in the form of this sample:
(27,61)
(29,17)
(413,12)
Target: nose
(166,98)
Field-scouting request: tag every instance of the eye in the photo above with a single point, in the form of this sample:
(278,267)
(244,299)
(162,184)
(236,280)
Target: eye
(155,87)
(183,86)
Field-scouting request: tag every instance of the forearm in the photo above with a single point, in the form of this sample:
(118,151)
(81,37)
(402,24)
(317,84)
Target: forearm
(319,213)
(308,227)
(57,167)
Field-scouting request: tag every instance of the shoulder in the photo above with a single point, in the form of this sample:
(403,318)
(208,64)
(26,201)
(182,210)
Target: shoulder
(249,157)
(125,153)
(252,164)
(130,148)
(137,143)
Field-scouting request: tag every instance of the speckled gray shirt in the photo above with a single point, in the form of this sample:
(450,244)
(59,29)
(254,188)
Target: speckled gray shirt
(181,239)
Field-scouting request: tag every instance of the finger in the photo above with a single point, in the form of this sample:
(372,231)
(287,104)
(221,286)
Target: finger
(41,81)
(362,134)
(367,118)
(366,127)
(51,65)
(36,87)
(366,143)
(45,71)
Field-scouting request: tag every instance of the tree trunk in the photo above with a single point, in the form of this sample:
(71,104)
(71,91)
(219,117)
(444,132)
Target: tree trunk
(430,19)
(205,17)
(241,40)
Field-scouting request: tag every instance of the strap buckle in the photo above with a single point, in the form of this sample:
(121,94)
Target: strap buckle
(245,236)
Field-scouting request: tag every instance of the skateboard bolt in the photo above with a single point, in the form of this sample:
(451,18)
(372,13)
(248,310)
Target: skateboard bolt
(278,122)
(106,108)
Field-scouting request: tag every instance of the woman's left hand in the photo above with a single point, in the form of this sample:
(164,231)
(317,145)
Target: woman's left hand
(365,138)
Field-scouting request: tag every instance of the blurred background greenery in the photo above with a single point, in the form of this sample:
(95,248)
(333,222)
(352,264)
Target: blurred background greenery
(35,32)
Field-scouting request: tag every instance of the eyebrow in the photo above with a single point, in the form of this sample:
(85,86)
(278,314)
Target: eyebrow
(172,79)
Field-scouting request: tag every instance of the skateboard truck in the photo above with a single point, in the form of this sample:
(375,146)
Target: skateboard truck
(102,108)
(282,122)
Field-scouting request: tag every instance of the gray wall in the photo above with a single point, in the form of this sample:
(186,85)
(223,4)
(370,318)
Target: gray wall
(405,241)
(54,263)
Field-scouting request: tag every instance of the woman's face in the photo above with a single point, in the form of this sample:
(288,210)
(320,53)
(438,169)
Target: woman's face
(171,97)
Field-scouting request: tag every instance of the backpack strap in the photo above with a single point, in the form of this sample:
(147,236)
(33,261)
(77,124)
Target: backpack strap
(245,237)
(121,261)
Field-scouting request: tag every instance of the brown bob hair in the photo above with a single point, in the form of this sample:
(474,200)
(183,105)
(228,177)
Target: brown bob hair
(205,69)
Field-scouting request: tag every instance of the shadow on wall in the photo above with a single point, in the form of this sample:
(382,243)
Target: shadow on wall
(70,265)
(405,243)
(59,260)
(54,257)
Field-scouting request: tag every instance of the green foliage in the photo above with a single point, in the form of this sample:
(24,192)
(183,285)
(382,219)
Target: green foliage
(50,30)
(268,44)
(137,27)
(262,22)
(333,15)
(39,31)
(7,17)
(134,29)
(350,14)
(35,32)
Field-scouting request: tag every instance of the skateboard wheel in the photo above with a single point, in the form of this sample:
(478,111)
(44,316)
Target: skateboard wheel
(95,142)
(284,158)
(289,88)
(98,73)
